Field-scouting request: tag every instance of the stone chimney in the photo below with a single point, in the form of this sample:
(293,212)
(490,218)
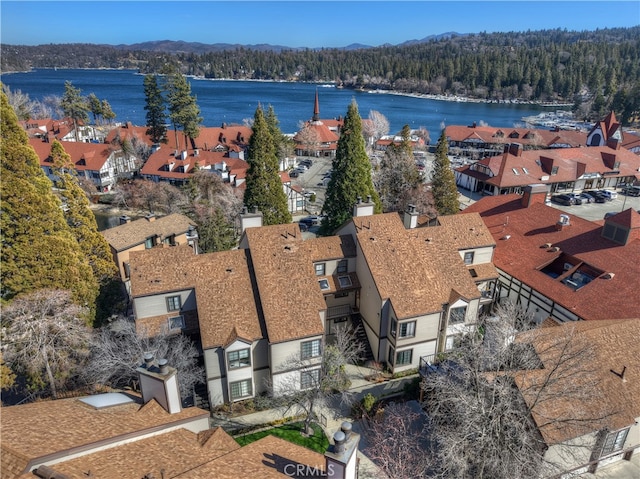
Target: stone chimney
(534,194)
(341,458)
(250,220)
(363,209)
(159,381)
(410,217)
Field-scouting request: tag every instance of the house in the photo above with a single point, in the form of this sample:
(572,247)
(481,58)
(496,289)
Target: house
(318,137)
(384,142)
(583,432)
(101,163)
(40,436)
(560,170)
(171,230)
(559,265)
(414,290)
(124,436)
(489,141)
(604,131)
(63,129)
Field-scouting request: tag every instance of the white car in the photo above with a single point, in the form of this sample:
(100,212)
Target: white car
(612,195)
(309,193)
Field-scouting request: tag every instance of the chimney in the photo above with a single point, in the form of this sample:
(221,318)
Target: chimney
(410,217)
(563,222)
(124,219)
(515,149)
(250,220)
(534,194)
(159,381)
(341,458)
(363,209)
(192,238)
(150,217)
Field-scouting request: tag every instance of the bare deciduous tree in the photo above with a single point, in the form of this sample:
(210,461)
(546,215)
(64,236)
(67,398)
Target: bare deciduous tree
(319,380)
(117,350)
(377,126)
(45,336)
(308,138)
(396,440)
(481,400)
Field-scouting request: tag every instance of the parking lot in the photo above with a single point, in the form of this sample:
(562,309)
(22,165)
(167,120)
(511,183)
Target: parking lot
(596,211)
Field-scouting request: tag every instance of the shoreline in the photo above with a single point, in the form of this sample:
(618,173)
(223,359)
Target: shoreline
(333,83)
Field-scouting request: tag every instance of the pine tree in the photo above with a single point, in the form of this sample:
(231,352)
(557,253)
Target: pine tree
(183,109)
(264,186)
(283,145)
(155,106)
(351,176)
(443,182)
(80,218)
(38,248)
(74,106)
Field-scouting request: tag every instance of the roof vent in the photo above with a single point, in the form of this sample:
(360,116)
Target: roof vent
(339,438)
(505,237)
(555,249)
(608,276)
(164,366)
(547,245)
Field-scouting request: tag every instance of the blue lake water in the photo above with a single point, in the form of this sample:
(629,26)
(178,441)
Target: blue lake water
(225,101)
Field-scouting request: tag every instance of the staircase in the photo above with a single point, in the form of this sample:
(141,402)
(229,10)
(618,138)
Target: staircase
(361,336)
(201,396)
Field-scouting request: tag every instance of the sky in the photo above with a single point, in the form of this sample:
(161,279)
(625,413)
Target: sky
(308,23)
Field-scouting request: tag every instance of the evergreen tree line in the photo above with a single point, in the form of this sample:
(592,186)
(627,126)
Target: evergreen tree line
(548,65)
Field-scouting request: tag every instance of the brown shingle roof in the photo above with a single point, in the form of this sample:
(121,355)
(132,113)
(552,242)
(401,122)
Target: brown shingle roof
(266,458)
(612,402)
(224,292)
(417,269)
(131,234)
(163,455)
(47,428)
(290,296)
(523,256)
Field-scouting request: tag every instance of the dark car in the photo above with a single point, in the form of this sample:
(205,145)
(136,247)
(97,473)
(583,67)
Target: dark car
(303,227)
(565,200)
(576,198)
(587,198)
(597,197)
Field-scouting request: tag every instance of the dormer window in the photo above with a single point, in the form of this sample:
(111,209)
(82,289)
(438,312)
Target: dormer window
(554,170)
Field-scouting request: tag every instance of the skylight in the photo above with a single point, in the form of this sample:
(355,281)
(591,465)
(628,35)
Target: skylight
(344,281)
(324,284)
(515,171)
(100,401)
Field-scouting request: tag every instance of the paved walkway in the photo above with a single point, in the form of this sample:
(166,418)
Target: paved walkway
(617,470)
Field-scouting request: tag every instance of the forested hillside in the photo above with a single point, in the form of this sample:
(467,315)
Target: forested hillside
(551,65)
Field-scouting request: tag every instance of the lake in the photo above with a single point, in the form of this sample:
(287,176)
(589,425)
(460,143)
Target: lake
(228,101)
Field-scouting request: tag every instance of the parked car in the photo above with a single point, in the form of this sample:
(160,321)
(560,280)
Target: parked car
(311,221)
(294,174)
(309,193)
(565,200)
(632,191)
(586,198)
(612,195)
(597,197)
(302,167)
(576,198)
(303,227)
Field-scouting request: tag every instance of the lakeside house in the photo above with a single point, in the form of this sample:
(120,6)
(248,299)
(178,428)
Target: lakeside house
(413,292)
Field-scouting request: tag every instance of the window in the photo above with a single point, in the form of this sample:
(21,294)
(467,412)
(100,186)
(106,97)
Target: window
(174,303)
(554,170)
(407,330)
(391,355)
(319,269)
(468,257)
(526,172)
(127,270)
(345,281)
(170,240)
(309,379)
(324,284)
(239,359)
(457,315)
(240,389)
(343,266)
(149,242)
(177,322)
(614,442)
(404,357)
(310,349)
